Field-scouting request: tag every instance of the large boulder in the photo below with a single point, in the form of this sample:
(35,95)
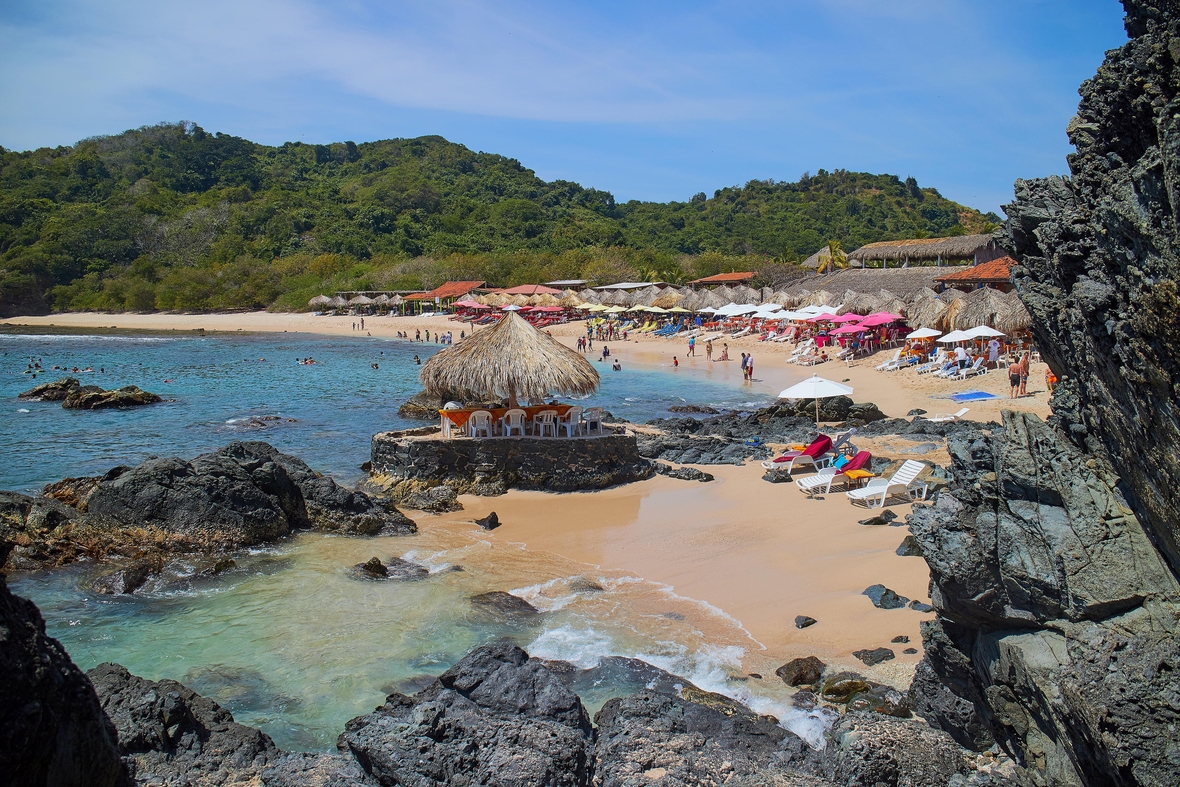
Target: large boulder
(55,391)
(495,718)
(91,397)
(52,728)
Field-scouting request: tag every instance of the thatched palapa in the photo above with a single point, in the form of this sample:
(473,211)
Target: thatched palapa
(1015,319)
(318,301)
(338,302)
(961,247)
(981,307)
(510,359)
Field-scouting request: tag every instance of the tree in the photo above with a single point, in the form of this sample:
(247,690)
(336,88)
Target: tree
(835,258)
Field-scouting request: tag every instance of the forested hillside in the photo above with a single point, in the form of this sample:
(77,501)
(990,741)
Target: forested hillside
(173,217)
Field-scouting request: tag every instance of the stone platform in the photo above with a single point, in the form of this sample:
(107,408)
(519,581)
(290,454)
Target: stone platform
(410,461)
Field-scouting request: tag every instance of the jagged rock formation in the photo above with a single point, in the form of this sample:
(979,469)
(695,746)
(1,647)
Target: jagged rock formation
(52,728)
(93,397)
(243,494)
(1057,617)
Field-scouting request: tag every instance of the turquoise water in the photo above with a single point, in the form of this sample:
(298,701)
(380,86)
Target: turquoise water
(218,386)
(289,640)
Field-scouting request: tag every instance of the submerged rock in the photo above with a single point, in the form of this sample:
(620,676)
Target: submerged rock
(489,522)
(435,500)
(91,397)
(504,603)
(804,671)
(884,598)
(125,580)
(585,585)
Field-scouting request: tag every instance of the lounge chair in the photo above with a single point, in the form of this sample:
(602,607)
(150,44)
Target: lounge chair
(892,362)
(513,421)
(571,422)
(592,420)
(841,442)
(812,484)
(878,490)
(976,368)
(940,418)
(813,455)
(479,421)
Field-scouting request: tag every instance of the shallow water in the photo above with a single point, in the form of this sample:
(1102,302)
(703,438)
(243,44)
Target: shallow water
(290,640)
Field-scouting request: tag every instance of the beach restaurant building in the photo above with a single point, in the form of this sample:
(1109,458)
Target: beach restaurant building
(723,280)
(996,274)
(442,296)
(956,250)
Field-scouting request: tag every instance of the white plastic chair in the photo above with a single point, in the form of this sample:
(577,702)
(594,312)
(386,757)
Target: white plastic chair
(944,417)
(480,421)
(545,421)
(513,421)
(892,363)
(592,420)
(877,490)
(571,422)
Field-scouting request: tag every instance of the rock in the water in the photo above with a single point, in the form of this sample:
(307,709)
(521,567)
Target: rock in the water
(436,500)
(52,727)
(683,473)
(909,547)
(373,568)
(881,699)
(804,671)
(884,598)
(694,408)
(803,621)
(504,603)
(495,718)
(396,569)
(125,580)
(489,522)
(55,391)
(874,656)
(585,585)
(843,685)
(883,518)
(92,397)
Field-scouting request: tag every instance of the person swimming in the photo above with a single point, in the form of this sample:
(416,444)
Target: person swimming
(617,366)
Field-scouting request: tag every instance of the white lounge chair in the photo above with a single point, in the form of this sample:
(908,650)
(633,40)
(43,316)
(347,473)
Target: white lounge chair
(976,368)
(571,422)
(479,421)
(878,490)
(944,417)
(892,362)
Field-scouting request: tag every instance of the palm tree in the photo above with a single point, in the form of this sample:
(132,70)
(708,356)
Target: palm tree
(836,258)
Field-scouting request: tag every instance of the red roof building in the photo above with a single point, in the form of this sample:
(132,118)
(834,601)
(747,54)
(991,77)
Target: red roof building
(446,292)
(994,273)
(725,278)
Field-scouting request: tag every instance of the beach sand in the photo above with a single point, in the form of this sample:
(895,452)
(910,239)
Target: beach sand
(760,553)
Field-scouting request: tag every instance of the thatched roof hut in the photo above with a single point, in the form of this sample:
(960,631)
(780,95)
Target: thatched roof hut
(744,294)
(360,300)
(977,248)
(951,294)
(669,298)
(902,282)
(590,296)
(646,296)
(319,301)
(338,302)
(926,311)
(981,307)
(858,303)
(713,299)
(381,299)
(510,359)
(821,298)
(396,300)
(894,306)
(1015,319)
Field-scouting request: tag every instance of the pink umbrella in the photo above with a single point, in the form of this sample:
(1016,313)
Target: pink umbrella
(824,318)
(847,317)
(879,318)
(846,329)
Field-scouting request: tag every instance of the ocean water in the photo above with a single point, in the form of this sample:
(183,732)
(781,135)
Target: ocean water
(290,640)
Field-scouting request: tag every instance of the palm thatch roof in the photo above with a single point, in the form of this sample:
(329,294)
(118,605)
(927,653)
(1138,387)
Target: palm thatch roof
(951,314)
(510,359)
(646,296)
(338,302)
(381,299)
(360,300)
(726,293)
(669,298)
(821,298)
(319,300)
(981,307)
(893,306)
(692,300)
(395,300)
(959,247)
(744,294)
(590,296)
(713,299)
(570,301)
(1015,319)
(951,294)
(926,311)
(902,282)
(858,303)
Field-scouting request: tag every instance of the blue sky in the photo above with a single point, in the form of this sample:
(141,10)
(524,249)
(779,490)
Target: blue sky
(649,100)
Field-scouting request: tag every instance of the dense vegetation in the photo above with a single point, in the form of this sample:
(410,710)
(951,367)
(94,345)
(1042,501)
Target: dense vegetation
(172,217)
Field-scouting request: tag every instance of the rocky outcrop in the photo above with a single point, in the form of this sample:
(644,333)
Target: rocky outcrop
(1057,615)
(243,494)
(92,397)
(1100,261)
(693,450)
(52,728)
(55,391)
(406,463)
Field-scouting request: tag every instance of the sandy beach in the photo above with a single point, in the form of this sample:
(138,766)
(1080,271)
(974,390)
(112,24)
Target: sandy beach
(760,553)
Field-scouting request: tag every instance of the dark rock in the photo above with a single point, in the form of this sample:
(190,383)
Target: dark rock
(874,656)
(693,408)
(374,568)
(217,567)
(910,651)
(843,685)
(55,391)
(920,606)
(504,603)
(881,699)
(804,671)
(900,639)
(175,736)
(495,718)
(75,492)
(916,411)
(489,522)
(683,473)
(803,621)
(585,585)
(404,570)
(884,598)
(872,749)
(909,547)
(125,580)
(698,450)
(304,769)
(405,463)
(52,727)
(778,476)
(883,518)
(436,500)
(805,699)
(92,398)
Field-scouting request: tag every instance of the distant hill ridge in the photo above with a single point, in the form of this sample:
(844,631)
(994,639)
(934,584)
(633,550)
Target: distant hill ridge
(173,217)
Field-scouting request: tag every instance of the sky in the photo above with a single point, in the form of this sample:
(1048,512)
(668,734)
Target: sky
(652,100)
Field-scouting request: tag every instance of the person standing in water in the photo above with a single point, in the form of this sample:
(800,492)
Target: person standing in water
(750,367)
(692,347)
(708,349)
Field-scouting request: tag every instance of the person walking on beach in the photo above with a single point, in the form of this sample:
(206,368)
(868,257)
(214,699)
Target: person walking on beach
(1013,380)
(1024,364)
(692,346)
(993,353)
(362,323)
(708,349)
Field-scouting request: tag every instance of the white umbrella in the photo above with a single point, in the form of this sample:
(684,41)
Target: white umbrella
(982,332)
(512,307)
(955,336)
(745,308)
(924,333)
(817,388)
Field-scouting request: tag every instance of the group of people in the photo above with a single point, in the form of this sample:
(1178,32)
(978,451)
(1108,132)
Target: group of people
(439,337)
(34,367)
(606,332)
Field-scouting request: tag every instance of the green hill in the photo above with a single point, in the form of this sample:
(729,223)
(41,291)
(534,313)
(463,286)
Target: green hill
(173,217)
